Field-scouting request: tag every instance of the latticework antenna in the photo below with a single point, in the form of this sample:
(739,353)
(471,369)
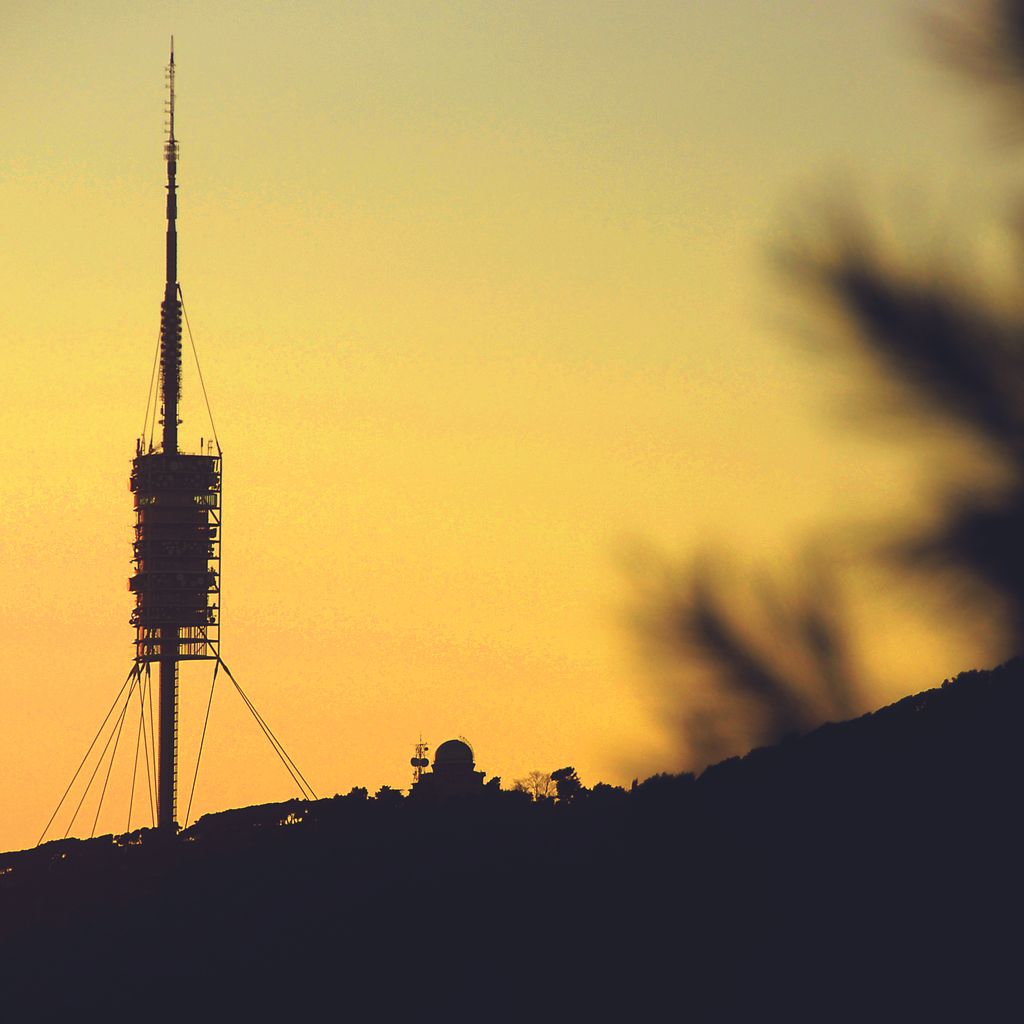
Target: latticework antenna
(171,145)
(419,761)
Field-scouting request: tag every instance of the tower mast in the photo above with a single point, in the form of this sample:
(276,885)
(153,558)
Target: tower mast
(170,390)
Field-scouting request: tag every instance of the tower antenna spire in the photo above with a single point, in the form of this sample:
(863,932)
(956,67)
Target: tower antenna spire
(170,309)
(170,100)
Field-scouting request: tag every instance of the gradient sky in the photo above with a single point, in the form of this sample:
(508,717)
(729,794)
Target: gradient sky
(483,299)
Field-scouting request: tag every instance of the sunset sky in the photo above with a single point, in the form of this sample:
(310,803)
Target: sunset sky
(484,300)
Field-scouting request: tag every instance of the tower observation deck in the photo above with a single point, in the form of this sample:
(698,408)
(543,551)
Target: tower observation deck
(176,553)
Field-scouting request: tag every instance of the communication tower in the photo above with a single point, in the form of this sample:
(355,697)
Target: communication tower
(176,556)
(176,550)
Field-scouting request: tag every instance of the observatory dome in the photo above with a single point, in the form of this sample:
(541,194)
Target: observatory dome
(453,773)
(454,753)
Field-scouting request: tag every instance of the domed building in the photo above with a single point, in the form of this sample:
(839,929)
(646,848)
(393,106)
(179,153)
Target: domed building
(453,773)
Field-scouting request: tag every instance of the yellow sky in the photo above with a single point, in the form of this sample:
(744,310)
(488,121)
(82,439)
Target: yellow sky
(482,297)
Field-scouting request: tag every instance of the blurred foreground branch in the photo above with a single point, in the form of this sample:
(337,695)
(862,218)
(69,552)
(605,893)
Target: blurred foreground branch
(746,666)
(947,356)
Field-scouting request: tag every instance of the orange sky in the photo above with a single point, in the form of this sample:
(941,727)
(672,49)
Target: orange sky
(482,298)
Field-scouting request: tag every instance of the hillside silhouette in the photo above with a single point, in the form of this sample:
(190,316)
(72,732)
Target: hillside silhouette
(868,866)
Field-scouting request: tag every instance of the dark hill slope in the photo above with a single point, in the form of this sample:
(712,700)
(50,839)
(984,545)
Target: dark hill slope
(869,868)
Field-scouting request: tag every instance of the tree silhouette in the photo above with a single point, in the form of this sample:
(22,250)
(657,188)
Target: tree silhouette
(567,784)
(388,796)
(539,785)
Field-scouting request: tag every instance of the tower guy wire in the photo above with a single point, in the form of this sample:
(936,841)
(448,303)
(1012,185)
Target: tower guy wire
(202,741)
(60,803)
